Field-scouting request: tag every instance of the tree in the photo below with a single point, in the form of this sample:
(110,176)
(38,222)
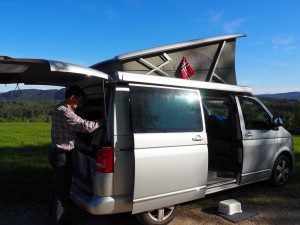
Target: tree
(25,110)
(297,117)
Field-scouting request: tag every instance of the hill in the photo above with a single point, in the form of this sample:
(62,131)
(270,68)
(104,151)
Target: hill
(33,94)
(288,95)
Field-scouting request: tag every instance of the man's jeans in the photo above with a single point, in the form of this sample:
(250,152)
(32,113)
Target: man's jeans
(61,163)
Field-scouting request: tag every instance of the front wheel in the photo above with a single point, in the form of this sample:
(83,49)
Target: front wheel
(281,171)
(158,216)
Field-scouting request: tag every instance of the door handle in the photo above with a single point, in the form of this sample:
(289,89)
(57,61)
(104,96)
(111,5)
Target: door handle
(197,138)
(248,134)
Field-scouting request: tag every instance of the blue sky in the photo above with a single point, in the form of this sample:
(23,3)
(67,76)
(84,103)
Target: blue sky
(85,32)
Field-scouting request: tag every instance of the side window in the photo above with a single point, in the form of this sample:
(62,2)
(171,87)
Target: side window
(255,116)
(217,106)
(218,118)
(157,109)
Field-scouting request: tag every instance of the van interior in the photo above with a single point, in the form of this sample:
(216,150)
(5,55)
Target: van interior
(222,132)
(94,108)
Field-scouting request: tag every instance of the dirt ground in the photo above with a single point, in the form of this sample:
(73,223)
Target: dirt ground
(285,212)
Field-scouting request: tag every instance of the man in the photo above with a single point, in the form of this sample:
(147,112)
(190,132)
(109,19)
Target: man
(65,125)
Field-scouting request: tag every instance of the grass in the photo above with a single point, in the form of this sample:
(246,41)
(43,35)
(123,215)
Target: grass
(24,169)
(18,134)
(25,173)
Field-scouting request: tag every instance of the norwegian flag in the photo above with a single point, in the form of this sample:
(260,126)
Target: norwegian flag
(186,69)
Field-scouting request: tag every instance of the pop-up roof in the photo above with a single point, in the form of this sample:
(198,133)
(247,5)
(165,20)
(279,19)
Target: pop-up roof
(208,59)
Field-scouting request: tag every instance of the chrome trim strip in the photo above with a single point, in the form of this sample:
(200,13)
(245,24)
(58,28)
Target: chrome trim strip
(256,172)
(169,194)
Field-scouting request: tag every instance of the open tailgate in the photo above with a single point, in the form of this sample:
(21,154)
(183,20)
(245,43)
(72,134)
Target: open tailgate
(46,72)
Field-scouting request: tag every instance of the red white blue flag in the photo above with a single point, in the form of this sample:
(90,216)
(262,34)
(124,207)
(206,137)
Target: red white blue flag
(186,69)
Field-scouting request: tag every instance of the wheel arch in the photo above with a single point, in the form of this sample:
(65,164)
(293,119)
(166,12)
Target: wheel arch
(282,170)
(288,155)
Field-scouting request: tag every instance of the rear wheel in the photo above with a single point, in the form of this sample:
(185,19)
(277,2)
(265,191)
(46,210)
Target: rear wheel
(281,171)
(158,216)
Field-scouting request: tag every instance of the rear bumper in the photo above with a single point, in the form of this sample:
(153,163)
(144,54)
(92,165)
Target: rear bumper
(101,205)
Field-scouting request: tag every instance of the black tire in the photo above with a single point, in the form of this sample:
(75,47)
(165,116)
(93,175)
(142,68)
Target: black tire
(281,171)
(158,216)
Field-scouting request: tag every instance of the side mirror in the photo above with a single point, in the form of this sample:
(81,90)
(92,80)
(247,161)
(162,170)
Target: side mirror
(277,122)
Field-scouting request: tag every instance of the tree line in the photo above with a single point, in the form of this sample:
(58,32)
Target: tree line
(41,110)
(287,110)
(26,111)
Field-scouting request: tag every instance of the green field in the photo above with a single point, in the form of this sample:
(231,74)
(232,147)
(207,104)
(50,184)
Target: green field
(25,173)
(18,134)
(24,169)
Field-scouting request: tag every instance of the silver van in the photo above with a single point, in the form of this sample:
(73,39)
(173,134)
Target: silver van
(178,127)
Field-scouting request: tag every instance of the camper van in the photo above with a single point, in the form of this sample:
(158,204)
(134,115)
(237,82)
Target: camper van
(178,127)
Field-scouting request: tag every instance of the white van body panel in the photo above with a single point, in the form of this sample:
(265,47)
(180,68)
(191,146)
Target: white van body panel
(258,152)
(170,167)
(260,146)
(167,176)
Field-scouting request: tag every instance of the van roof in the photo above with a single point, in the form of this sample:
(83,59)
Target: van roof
(211,59)
(155,80)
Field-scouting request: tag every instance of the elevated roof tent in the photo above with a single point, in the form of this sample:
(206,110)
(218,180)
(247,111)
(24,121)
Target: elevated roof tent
(207,59)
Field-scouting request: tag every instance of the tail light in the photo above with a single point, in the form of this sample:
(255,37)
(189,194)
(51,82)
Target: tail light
(105,160)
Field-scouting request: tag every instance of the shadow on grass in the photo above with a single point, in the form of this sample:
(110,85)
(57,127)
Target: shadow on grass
(25,174)
(25,178)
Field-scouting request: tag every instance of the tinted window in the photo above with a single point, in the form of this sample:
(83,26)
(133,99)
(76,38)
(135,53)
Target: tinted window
(255,116)
(218,107)
(164,110)
(218,118)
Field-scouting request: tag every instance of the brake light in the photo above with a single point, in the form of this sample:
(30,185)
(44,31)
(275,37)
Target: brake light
(105,160)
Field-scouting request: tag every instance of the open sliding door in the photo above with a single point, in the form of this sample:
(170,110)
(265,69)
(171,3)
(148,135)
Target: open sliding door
(170,146)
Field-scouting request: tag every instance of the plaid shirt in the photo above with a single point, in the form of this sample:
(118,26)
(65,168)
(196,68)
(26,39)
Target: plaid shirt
(65,125)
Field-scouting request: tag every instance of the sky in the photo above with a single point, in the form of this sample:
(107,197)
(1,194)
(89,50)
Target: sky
(85,32)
